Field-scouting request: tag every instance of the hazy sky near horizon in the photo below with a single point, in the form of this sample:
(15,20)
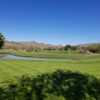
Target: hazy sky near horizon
(51,21)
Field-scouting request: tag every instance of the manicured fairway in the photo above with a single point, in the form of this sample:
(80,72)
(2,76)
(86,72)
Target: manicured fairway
(13,69)
(10,69)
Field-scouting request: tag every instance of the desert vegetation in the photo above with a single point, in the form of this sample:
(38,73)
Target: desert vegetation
(38,47)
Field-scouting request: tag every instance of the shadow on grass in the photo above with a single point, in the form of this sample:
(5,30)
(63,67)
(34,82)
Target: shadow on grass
(66,84)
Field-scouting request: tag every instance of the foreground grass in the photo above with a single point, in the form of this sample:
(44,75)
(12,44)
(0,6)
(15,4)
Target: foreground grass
(9,69)
(89,64)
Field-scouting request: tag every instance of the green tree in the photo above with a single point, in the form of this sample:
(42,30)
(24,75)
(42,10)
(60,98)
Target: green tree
(67,47)
(1,40)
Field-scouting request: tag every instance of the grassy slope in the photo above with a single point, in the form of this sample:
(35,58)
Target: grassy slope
(10,69)
(76,62)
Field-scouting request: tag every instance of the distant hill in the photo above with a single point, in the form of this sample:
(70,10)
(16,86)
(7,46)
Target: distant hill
(32,45)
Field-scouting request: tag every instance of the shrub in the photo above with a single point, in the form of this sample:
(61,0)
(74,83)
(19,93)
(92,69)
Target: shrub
(70,85)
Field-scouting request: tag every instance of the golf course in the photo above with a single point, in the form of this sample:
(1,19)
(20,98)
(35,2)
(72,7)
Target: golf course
(44,62)
(14,65)
(49,49)
(49,72)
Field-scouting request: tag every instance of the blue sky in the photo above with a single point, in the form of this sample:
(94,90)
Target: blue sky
(51,21)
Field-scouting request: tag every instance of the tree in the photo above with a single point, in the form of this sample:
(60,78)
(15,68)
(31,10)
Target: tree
(1,40)
(67,47)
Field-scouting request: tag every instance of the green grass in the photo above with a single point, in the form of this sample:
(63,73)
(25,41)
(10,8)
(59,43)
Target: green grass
(49,54)
(10,69)
(42,54)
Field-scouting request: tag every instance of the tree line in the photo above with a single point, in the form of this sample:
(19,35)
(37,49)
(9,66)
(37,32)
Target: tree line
(34,46)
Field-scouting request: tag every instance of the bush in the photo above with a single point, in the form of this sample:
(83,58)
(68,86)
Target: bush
(70,85)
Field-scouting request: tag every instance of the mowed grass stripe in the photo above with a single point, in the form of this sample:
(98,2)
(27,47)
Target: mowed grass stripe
(91,68)
(11,68)
(41,67)
(15,67)
(4,73)
(26,67)
(19,67)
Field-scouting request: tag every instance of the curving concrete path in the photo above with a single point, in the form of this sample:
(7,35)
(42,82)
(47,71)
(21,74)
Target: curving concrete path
(13,57)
